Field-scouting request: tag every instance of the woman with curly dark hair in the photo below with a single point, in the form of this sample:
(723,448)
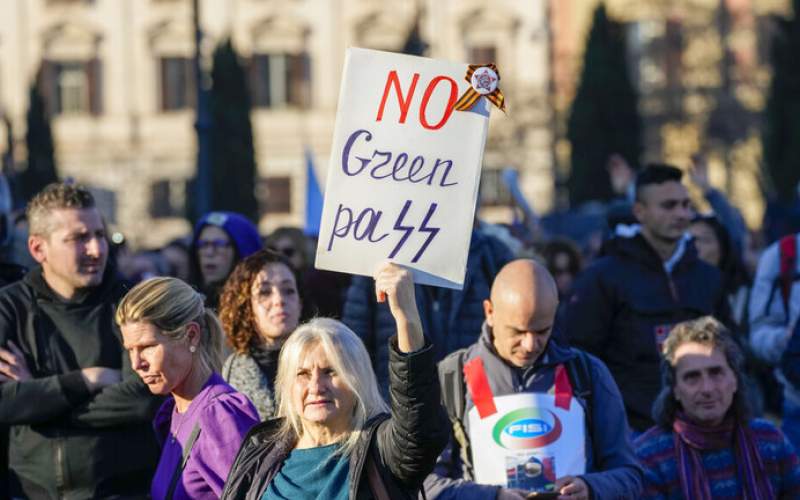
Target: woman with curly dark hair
(259,308)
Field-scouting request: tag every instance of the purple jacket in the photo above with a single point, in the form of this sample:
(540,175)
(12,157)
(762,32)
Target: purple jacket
(224,417)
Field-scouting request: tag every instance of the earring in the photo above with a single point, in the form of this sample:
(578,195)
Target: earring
(192,349)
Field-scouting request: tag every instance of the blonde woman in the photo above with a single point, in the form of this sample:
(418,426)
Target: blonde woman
(335,438)
(174,343)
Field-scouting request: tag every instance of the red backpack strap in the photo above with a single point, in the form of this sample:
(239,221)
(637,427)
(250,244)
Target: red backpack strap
(788,258)
(563,388)
(479,388)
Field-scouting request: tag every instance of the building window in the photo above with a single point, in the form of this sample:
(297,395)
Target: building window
(177,83)
(280,80)
(72,87)
(167,198)
(493,191)
(274,195)
(482,54)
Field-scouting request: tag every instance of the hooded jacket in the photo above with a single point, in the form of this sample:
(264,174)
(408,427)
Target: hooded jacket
(245,238)
(624,305)
(65,441)
(612,471)
(403,446)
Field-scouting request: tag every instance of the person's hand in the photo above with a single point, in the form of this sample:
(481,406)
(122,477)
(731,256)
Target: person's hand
(396,284)
(12,365)
(98,377)
(698,172)
(620,173)
(572,488)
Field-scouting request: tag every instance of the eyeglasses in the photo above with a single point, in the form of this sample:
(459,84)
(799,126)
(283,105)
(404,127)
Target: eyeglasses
(215,244)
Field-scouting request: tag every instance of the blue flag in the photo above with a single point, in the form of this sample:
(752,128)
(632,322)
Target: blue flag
(313,198)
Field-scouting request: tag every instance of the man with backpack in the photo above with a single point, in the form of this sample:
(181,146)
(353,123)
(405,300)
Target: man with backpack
(529,415)
(774,310)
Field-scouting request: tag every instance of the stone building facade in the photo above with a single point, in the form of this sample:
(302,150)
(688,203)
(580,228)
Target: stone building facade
(702,70)
(117,77)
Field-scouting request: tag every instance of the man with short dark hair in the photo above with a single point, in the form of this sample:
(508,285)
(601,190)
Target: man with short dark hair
(80,417)
(648,279)
(527,413)
(705,444)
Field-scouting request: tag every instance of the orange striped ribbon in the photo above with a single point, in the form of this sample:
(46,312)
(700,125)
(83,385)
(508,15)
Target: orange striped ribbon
(471,96)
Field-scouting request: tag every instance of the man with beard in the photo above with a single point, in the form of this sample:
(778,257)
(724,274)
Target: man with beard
(79,416)
(648,279)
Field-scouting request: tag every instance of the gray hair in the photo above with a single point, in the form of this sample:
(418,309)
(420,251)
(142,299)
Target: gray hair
(705,331)
(347,356)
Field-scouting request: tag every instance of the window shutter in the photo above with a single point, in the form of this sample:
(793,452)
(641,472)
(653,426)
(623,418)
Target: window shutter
(94,75)
(259,81)
(48,86)
(189,84)
(299,81)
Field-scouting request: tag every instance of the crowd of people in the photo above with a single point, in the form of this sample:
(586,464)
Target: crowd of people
(223,365)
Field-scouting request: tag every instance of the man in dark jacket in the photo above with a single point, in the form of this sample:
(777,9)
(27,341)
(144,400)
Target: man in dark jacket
(450,318)
(649,279)
(80,417)
(523,419)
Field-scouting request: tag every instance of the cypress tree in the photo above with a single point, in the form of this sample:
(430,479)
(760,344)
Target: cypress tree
(233,169)
(415,45)
(604,118)
(781,137)
(41,168)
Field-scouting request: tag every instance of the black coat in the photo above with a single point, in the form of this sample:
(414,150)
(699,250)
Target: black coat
(404,446)
(65,441)
(625,304)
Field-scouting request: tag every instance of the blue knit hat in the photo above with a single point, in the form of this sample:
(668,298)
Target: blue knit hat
(243,232)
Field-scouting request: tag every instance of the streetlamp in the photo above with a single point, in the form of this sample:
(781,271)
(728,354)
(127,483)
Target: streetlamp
(202,124)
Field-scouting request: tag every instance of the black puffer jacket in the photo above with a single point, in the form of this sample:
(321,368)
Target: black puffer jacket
(65,441)
(624,305)
(404,446)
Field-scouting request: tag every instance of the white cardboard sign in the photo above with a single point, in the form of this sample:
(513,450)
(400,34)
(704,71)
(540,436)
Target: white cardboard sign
(402,181)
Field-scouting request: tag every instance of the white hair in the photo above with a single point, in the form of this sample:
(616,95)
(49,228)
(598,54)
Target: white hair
(347,356)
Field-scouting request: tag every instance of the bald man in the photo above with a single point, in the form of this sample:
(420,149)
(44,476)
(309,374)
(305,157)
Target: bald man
(530,415)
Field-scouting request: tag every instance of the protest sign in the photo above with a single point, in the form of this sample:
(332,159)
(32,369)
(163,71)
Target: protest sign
(402,182)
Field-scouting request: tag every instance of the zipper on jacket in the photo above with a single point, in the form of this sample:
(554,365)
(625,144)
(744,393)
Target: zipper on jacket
(673,290)
(60,466)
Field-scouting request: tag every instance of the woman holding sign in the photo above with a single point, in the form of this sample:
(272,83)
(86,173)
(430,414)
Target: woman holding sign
(336,438)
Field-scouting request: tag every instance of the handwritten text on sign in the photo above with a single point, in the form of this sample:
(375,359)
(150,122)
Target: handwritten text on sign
(403,174)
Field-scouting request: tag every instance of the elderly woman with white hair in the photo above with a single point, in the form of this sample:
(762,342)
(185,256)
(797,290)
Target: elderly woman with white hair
(335,437)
